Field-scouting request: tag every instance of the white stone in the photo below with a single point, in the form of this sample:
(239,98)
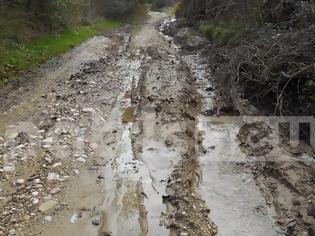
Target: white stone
(9,169)
(20,182)
(52,176)
(80,159)
(88,110)
(56,165)
(35,201)
(55,190)
(37,181)
(47,219)
(35,193)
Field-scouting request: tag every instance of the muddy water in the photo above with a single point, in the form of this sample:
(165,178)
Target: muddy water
(237,206)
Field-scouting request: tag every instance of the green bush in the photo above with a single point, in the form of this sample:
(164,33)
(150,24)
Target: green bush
(222,33)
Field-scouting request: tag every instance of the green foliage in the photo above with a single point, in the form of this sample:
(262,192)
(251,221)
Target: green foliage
(31,31)
(222,33)
(172,9)
(29,55)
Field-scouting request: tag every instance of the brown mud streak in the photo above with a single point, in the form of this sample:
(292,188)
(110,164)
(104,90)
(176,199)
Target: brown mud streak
(177,102)
(191,213)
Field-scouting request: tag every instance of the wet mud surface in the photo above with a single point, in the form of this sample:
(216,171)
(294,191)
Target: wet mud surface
(123,135)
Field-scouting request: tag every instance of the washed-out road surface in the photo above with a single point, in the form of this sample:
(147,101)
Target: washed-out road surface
(110,139)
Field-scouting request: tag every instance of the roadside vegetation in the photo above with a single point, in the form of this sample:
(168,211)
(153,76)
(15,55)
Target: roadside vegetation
(263,49)
(30,55)
(40,30)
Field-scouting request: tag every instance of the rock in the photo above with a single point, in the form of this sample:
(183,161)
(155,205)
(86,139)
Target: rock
(20,182)
(54,176)
(9,169)
(77,172)
(96,222)
(26,217)
(50,204)
(35,193)
(48,197)
(55,190)
(47,219)
(56,165)
(61,206)
(37,181)
(88,110)
(1,233)
(74,218)
(169,143)
(35,201)
(80,159)
(12,232)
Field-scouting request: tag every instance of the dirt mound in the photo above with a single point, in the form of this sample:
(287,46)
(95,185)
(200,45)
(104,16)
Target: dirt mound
(252,137)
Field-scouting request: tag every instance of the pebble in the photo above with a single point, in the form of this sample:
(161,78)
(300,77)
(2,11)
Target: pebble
(96,222)
(8,169)
(12,232)
(39,186)
(47,219)
(77,172)
(88,110)
(52,176)
(55,190)
(56,165)
(35,201)
(20,182)
(80,159)
(35,193)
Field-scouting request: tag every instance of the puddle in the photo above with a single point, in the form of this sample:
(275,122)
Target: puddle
(236,204)
(128,115)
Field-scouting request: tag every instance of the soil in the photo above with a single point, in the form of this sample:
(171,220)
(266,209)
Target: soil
(125,135)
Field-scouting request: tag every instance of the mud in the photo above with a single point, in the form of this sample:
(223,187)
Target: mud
(124,135)
(278,179)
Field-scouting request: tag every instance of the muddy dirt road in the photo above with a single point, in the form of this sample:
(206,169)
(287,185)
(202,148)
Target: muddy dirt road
(112,139)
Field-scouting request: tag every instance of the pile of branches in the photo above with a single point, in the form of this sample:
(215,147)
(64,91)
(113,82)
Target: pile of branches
(277,73)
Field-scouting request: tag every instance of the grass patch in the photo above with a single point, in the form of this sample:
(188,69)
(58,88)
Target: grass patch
(222,33)
(29,55)
(171,10)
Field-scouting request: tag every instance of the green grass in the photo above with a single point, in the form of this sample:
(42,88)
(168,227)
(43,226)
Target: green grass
(29,55)
(216,32)
(171,10)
